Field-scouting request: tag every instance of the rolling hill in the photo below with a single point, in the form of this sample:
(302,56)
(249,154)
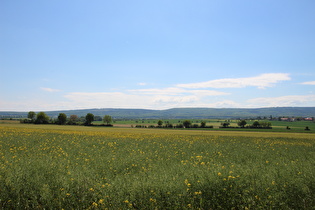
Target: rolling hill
(177,113)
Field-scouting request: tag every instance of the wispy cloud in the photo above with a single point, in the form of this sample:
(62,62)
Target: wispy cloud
(262,81)
(142,84)
(49,89)
(172,91)
(282,101)
(308,83)
(107,100)
(145,98)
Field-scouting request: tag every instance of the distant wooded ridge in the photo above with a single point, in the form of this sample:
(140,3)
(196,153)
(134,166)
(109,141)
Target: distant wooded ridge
(180,113)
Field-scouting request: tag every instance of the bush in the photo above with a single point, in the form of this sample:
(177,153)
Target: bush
(210,126)
(195,126)
(187,123)
(179,125)
(203,124)
(225,124)
(26,121)
(169,125)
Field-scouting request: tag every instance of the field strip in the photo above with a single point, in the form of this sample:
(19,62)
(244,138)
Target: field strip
(163,131)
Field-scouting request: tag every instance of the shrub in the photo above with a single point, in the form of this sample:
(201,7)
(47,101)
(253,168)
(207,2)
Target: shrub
(195,126)
(187,123)
(169,125)
(179,125)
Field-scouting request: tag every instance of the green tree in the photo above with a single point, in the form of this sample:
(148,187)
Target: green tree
(42,118)
(256,124)
(89,118)
(265,124)
(73,119)
(62,119)
(242,123)
(203,124)
(187,123)
(31,115)
(160,123)
(107,119)
(225,124)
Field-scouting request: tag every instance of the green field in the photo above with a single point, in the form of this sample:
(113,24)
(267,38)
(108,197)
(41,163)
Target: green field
(78,167)
(278,126)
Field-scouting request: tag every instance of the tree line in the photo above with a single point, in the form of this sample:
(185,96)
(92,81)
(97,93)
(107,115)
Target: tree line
(62,119)
(226,124)
(243,124)
(184,124)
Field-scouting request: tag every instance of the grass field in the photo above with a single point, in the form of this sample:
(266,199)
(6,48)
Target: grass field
(77,167)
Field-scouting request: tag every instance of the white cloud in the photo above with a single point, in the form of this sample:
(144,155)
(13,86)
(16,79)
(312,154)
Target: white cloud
(308,83)
(143,98)
(156,91)
(178,91)
(225,104)
(207,92)
(282,101)
(262,81)
(49,89)
(142,83)
(106,100)
(35,104)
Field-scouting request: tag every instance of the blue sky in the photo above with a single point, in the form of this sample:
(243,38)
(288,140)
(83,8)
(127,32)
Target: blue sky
(60,55)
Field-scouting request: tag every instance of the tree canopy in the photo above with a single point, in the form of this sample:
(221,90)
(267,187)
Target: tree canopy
(62,119)
(187,123)
(31,115)
(42,118)
(107,119)
(89,118)
(242,123)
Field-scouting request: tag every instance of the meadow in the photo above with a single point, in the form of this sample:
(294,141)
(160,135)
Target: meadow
(77,167)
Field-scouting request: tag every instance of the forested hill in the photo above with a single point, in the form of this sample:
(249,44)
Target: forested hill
(188,113)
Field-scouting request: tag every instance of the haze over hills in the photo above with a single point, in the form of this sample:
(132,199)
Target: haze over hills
(189,113)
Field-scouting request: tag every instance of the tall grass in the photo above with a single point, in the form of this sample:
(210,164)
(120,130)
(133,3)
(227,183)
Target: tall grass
(57,169)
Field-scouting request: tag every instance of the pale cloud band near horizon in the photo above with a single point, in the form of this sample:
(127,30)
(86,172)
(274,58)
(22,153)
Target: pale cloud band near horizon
(308,83)
(182,95)
(262,81)
(50,89)
(282,101)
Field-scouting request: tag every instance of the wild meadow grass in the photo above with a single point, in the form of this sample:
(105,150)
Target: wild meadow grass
(127,169)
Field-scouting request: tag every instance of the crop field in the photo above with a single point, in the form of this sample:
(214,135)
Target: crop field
(77,167)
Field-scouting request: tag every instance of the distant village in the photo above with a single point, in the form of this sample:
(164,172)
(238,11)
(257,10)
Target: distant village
(292,119)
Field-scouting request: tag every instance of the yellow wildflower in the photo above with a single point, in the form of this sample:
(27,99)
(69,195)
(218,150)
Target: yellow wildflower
(198,193)
(152,200)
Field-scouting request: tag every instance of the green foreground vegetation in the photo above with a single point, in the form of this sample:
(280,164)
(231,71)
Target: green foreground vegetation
(84,167)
